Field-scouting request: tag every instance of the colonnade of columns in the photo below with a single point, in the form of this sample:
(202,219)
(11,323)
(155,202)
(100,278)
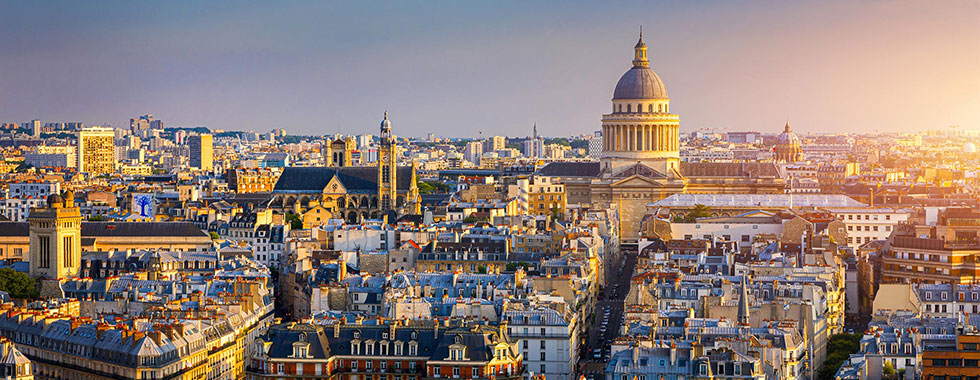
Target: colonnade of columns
(635,138)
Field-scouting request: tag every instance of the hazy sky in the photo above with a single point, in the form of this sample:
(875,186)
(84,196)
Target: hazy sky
(458,67)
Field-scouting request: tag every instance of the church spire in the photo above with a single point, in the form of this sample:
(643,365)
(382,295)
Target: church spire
(743,304)
(640,52)
(786,128)
(535,131)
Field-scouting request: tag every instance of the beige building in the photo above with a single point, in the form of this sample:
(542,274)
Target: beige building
(640,161)
(56,238)
(96,151)
(202,151)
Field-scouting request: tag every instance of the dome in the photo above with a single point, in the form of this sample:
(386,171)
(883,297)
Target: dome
(54,200)
(386,124)
(640,83)
(787,137)
(969,148)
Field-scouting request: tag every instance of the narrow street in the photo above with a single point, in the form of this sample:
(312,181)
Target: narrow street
(595,351)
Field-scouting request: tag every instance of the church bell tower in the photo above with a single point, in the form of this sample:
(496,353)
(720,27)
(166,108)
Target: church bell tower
(387,167)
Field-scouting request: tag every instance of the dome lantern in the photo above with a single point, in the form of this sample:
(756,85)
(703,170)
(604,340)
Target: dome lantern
(640,53)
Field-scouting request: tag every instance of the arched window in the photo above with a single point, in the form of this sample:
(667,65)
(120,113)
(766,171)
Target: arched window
(650,109)
(660,108)
(629,108)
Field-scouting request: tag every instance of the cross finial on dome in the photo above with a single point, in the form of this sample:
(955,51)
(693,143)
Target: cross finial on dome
(786,129)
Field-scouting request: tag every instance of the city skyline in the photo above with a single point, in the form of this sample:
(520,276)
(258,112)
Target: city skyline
(321,69)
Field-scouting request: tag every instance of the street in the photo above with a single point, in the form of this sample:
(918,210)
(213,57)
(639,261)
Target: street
(597,341)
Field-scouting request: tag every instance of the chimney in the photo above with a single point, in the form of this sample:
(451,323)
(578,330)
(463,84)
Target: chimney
(391,329)
(336,329)
(673,353)
(156,335)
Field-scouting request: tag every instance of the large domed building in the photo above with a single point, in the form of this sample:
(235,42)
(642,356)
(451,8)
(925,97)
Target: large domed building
(787,147)
(640,127)
(640,162)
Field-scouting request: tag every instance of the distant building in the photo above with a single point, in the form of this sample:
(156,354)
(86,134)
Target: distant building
(473,151)
(743,137)
(787,148)
(494,143)
(595,145)
(96,151)
(202,151)
(34,126)
(339,152)
(144,123)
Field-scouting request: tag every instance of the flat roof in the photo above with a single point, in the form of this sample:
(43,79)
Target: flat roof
(758,200)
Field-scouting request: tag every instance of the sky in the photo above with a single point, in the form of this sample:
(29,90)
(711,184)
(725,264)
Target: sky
(462,68)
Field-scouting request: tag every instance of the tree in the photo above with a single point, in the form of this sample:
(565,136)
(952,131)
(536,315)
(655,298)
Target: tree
(699,211)
(95,218)
(481,269)
(294,221)
(839,348)
(888,370)
(23,167)
(426,188)
(214,235)
(17,284)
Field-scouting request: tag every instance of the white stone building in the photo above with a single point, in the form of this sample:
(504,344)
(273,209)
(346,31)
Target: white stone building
(548,341)
(865,224)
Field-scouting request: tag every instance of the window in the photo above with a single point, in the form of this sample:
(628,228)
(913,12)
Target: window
(455,371)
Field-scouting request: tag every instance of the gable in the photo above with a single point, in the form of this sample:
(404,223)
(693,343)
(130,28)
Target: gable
(636,181)
(335,186)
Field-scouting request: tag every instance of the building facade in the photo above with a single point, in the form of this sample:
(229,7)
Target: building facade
(202,151)
(384,352)
(96,151)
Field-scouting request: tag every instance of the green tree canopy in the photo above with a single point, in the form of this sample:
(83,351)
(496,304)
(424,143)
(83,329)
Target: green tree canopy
(699,211)
(17,284)
(294,221)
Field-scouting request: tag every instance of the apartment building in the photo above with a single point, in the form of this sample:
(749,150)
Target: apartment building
(868,224)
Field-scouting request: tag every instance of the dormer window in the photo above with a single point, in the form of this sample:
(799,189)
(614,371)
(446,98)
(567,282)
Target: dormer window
(357,334)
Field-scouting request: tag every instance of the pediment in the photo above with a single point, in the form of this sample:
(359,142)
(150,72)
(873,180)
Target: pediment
(636,181)
(335,186)
(638,169)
